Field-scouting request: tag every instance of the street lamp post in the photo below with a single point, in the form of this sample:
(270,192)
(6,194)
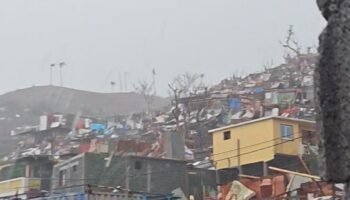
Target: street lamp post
(61,64)
(51,68)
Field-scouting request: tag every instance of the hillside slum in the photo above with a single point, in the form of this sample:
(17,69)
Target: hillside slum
(285,90)
(182,133)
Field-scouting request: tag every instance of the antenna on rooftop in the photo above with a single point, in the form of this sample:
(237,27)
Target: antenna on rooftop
(120,82)
(61,64)
(154,80)
(126,81)
(112,86)
(51,68)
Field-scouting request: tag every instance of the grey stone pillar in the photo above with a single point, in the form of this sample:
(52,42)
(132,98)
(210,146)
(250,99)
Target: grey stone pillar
(332,82)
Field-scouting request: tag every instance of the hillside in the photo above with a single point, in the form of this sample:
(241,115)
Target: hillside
(23,107)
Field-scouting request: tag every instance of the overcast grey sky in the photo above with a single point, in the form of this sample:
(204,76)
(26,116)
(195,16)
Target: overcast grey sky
(98,39)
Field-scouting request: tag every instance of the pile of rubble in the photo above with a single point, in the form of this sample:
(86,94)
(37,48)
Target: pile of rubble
(282,186)
(136,134)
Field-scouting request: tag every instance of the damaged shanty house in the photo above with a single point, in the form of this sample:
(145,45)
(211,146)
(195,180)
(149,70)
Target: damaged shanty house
(276,158)
(132,174)
(255,145)
(26,177)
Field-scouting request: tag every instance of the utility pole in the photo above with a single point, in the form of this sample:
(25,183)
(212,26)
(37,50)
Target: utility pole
(120,82)
(112,86)
(127,174)
(239,156)
(61,64)
(154,81)
(51,68)
(126,81)
(149,177)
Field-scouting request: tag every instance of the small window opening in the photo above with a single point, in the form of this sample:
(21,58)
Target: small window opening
(227,135)
(138,164)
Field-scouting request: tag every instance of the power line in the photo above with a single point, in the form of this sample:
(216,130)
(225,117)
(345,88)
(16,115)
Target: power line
(256,144)
(243,153)
(162,172)
(143,174)
(258,149)
(90,179)
(252,145)
(140,174)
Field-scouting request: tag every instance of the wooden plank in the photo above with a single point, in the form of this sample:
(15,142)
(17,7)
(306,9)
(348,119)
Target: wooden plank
(248,176)
(294,173)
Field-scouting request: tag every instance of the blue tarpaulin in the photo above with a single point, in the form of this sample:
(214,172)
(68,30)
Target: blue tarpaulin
(235,103)
(258,90)
(98,127)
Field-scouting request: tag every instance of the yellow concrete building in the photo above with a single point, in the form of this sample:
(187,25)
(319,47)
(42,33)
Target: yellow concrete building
(258,140)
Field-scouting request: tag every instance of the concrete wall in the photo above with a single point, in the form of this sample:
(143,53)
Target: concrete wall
(151,175)
(74,169)
(97,173)
(174,145)
(141,174)
(158,176)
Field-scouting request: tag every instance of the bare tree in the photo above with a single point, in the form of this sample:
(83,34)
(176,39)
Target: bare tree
(146,89)
(291,44)
(175,95)
(294,54)
(182,86)
(188,83)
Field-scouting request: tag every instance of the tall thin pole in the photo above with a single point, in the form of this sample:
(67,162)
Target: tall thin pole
(125,81)
(127,174)
(149,177)
(239,156)
(112,86)
(154,81)
(61,82)
(120,82)
(51,68)
(61,64)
